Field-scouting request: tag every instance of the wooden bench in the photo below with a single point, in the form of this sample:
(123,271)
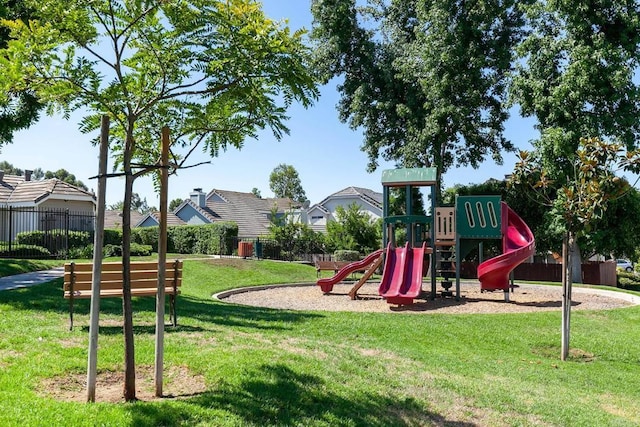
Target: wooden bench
(325,266)
(144,282)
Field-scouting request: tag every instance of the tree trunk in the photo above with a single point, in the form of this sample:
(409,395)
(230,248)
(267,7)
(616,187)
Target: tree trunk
(567,282)
(129,359)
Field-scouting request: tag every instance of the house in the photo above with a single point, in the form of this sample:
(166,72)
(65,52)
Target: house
(318,215)
(251,213)
(113,218)
(27,205)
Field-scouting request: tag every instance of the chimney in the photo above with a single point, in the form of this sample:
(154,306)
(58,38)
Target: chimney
(198,197)
(27,175)
(1,175)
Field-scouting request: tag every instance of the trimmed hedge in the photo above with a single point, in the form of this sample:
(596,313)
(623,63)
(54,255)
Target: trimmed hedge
(25,251)
(54,240)
(112,237)
(211,239)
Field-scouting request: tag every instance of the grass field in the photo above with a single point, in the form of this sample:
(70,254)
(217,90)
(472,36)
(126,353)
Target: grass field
(257,367)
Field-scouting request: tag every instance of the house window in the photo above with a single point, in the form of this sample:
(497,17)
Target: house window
(317,217)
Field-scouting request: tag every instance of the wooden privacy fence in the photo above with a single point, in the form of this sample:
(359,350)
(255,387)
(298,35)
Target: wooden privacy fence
(595,273)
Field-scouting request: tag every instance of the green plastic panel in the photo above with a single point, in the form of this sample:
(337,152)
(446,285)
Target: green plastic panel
(478,217)
(409,176)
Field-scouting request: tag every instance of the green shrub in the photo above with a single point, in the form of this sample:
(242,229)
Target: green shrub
(25,251)
(146,236)
(344,255)
(112,250)
(271,249)
(85,252)
(627,280)
(213,239)
(54,240)
(182,239)
(112,237)
(140,250)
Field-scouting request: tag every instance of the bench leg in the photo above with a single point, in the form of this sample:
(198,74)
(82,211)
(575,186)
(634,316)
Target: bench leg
(71,312)
(172,310)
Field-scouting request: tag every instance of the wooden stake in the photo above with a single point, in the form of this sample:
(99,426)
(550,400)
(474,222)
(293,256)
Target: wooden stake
(98,241)
(162,258)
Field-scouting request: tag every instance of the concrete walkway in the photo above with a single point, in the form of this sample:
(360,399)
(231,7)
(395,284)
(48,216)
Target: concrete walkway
(29,279)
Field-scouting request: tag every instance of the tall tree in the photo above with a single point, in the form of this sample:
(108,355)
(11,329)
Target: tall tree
(284,181)
(174,204)
(354,229)
(138,204)
(66,176)
(576,75)
(426,80)
(213,71)
(9,169)
(18,109)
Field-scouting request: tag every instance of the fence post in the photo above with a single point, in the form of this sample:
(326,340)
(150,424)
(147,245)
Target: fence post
(10,228)
(66,233)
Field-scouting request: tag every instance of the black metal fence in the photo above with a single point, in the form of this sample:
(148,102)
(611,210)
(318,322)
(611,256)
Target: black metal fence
(28,232)
(51,233)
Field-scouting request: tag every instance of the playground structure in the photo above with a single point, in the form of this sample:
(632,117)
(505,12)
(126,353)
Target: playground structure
(444,235)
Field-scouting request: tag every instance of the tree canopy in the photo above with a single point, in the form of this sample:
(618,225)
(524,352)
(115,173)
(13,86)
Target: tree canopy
(284,181)
(18,108)
(214,71)
(139,204)
(425,80)
(576,74)
(353,229)
(66,176)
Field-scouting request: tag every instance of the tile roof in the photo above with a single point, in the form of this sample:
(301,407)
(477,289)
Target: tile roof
(7,185)
(172,219)
(251,213)
(14,189)
(372,197)
(113,218)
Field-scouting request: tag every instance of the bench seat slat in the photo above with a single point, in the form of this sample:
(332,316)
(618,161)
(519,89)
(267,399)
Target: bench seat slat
(108,293)
(117,284)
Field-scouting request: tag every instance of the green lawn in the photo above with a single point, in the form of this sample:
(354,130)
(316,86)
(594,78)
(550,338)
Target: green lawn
(276,367)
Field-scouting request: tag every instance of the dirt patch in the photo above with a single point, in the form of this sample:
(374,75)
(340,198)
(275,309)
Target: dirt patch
(178,383)
(524,298)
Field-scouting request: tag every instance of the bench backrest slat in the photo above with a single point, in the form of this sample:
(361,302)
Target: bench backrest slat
(143,275)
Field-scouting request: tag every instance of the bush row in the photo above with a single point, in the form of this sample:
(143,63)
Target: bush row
(214,239)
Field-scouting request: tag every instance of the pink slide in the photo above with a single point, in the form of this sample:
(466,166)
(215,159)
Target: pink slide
(518,244)
(327,284)
(402,276)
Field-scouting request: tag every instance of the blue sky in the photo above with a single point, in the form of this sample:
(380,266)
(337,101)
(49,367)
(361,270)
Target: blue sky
(324,151)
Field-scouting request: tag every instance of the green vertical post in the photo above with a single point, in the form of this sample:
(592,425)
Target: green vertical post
(410,238)
(432,232)
(385,214)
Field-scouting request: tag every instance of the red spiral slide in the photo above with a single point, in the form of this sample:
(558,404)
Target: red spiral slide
(518,244)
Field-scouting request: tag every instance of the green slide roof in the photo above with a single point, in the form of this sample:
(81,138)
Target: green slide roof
(409,176)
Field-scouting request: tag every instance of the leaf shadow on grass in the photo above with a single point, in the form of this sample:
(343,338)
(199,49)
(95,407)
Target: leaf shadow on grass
(274,394)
